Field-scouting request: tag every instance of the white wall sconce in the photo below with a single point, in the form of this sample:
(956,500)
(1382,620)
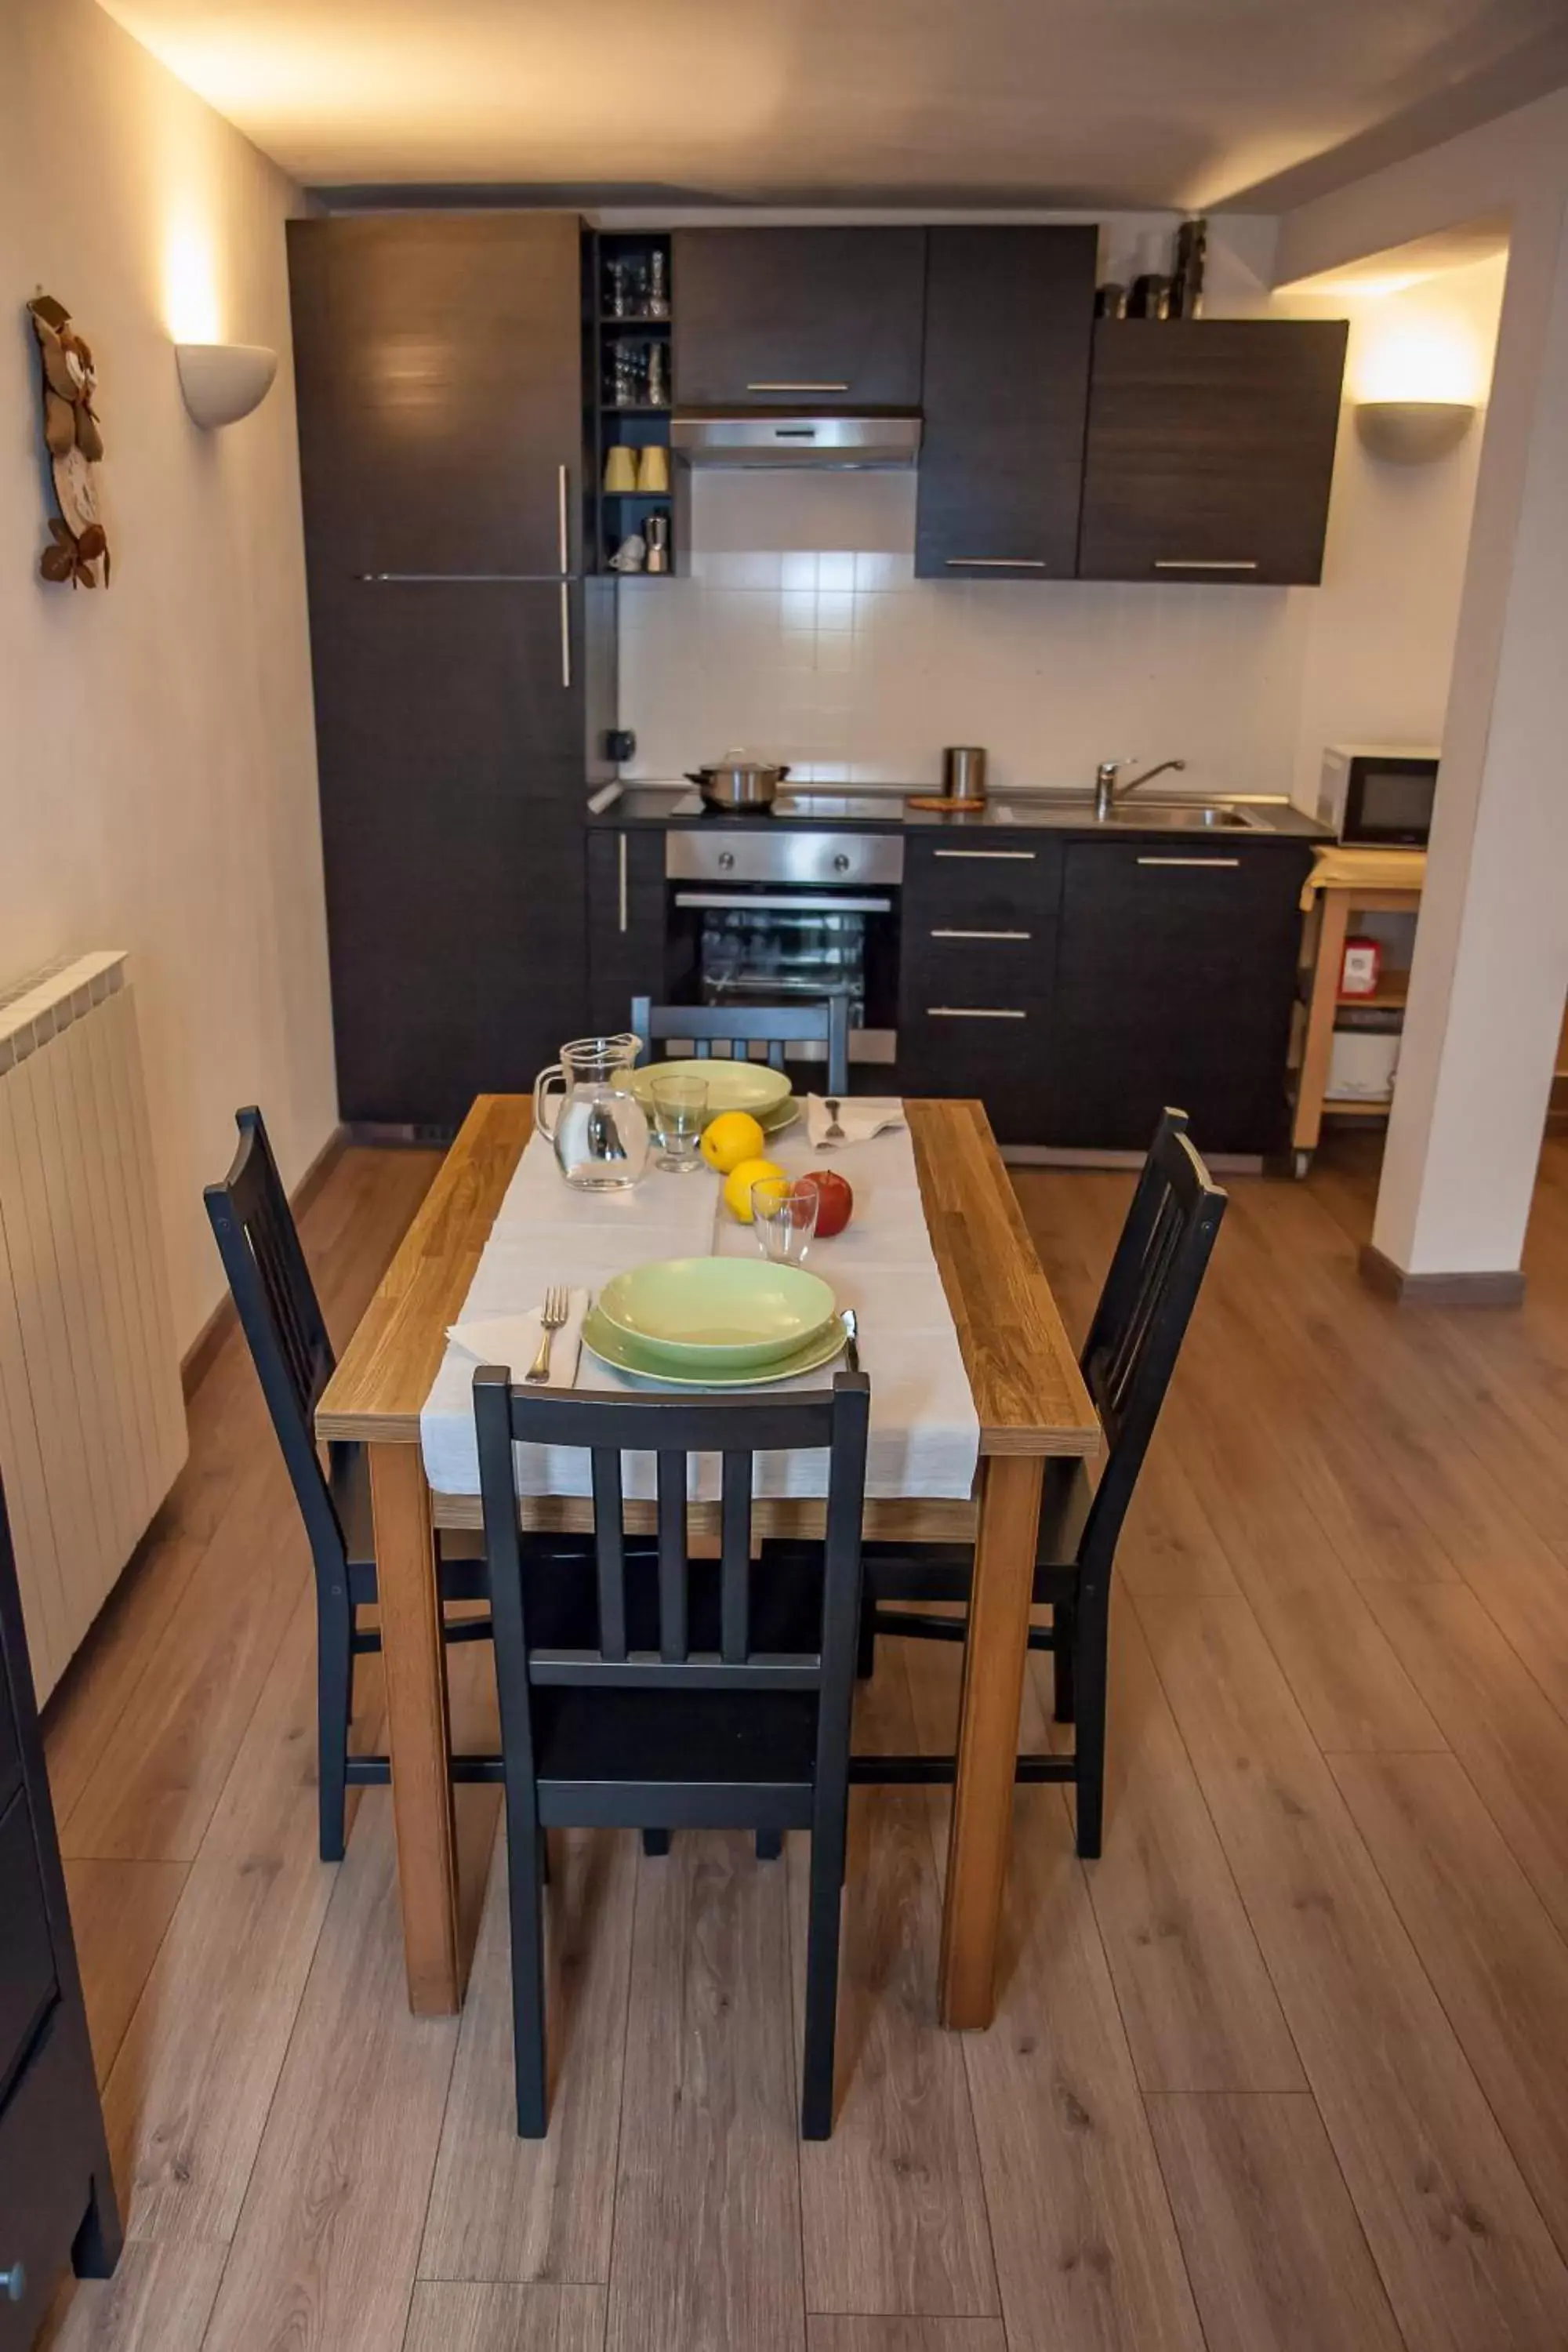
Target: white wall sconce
(1413,432)
(224,382)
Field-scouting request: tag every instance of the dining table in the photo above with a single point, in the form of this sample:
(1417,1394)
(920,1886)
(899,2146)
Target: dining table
(1030,1403)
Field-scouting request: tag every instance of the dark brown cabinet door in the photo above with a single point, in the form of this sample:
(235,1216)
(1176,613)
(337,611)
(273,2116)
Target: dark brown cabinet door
(820,318)
(625,922)
(439,360)
(1210,449)
(452,836)
(1174,979)
(1009,316)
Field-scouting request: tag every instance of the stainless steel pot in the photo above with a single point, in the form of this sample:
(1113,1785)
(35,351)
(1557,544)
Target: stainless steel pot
(738,782)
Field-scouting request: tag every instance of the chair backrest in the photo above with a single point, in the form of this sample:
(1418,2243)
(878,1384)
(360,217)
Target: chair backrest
(672,1429)
(1151,1289)
(824,1021)
(280,1315)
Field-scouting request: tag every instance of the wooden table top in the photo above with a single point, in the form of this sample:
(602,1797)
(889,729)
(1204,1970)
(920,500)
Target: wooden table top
(1023,1375)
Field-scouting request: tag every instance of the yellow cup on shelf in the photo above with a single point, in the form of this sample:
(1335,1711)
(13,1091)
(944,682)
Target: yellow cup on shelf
(653,467)
(621,468)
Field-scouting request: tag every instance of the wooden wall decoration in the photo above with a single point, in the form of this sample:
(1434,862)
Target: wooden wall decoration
(79,549)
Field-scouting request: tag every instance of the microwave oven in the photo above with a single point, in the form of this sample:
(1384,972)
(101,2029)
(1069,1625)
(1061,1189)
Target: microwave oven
(1379,795)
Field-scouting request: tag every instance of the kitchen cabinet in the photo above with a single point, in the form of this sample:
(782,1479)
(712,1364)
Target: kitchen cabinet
(1175,979)
(976,973)
(464,669)
(625,923)
(56,2194)
(818,318)
(1210,449)
(1008,324)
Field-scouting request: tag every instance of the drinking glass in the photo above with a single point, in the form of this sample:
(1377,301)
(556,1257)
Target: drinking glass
(679,1108)
(783,1218)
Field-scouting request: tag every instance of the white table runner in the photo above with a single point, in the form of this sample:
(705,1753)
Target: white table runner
(925,1437)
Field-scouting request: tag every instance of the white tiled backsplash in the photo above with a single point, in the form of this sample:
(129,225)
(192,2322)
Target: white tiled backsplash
(803,634)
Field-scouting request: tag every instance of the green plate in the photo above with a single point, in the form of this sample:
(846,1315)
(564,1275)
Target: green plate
(705,1315)
(731,1086)
(773,1122)
(613,1347)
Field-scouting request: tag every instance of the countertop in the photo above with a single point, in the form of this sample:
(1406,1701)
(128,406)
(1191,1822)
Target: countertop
(661,806)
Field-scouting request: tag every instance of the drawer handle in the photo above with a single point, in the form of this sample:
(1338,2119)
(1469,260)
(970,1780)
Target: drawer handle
(1206,563)
(995,562)
(13,2283)
(1012,856)
(797,387)
(982,935)
(972,1013)
(1189,861)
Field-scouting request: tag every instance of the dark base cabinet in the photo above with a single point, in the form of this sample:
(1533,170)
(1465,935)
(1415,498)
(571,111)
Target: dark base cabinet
(57,2195)
(626,953)
(1176,977)
(976,973)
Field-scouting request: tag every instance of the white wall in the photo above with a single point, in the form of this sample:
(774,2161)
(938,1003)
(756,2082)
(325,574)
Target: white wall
(157,759)
(803,632)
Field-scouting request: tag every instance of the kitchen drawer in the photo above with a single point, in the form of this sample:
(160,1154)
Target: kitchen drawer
(27,1955)
(43,2188)
(978,887)
(964,964)
(958,1047)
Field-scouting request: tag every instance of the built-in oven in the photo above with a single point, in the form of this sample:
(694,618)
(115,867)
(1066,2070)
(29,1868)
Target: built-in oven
(775,913)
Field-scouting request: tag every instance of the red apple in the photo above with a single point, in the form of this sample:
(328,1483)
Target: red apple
(835,1202)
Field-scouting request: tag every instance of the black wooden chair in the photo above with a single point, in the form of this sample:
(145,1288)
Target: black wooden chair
(284,1329)
(824,1021)
(657,1690)
(1128,1359)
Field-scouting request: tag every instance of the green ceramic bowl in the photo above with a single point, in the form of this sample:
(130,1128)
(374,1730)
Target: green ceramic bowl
(716,1314)
(614,1348)
(731,1086)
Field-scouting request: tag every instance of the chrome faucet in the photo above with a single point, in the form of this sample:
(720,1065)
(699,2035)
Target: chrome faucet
(1107,792)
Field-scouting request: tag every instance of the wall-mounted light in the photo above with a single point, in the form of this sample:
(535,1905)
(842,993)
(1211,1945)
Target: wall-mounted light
(224,382)
(1413,432)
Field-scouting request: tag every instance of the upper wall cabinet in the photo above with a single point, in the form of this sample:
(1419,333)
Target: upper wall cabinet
(1009,318)
(781,318)
(439,364)
(1211,446)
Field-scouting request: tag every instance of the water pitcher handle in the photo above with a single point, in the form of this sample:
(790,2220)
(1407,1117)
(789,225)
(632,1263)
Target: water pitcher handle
(541,1093)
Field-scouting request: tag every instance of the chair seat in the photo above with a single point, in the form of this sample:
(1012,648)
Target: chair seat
(596,1739)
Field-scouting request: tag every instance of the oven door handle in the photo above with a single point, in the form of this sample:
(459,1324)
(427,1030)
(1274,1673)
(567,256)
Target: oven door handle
(805,902)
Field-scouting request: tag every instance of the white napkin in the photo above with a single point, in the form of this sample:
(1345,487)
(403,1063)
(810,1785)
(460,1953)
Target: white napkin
(860,1119)
(513,1341)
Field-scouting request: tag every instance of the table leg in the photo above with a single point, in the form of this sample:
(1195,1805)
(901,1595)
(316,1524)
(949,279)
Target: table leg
(994,1660)
(414,1661)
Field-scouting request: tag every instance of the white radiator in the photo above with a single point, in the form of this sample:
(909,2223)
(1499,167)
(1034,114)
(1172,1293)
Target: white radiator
(92,1419)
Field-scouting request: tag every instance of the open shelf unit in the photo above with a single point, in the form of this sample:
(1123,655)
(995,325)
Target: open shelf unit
(636,426)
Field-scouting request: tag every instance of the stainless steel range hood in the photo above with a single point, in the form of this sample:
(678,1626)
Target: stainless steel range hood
(780,437)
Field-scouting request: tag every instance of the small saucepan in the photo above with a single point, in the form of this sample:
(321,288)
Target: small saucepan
(739,782)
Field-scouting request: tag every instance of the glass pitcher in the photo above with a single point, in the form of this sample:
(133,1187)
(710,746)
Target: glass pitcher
(584,1104)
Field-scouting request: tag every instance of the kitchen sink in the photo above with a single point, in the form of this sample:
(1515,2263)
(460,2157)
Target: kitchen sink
(1182,816)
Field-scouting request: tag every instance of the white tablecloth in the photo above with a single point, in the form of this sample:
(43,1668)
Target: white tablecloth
(925,1438)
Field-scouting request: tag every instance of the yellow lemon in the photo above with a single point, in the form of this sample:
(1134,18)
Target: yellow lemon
(739,1183)
(730,1138)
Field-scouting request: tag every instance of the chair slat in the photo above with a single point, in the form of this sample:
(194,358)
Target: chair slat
(672,1626)
(610,1552)
(734,1030)
(735,1562)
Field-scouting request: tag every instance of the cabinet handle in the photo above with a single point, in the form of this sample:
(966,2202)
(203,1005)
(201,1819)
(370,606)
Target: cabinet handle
(1189,861)
(562,523)
(995,562)
(1206,563)
(565,635)
(623,909)
(13,2283)
(797,387)
(982,935)
(1012,856)
(972,1013)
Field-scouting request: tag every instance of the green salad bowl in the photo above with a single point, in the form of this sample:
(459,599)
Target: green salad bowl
(716,1314)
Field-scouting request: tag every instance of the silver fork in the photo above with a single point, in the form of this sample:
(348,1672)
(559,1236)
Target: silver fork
(556,1306)
(832,1132)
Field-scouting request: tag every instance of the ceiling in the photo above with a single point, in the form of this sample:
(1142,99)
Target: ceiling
(1137,103)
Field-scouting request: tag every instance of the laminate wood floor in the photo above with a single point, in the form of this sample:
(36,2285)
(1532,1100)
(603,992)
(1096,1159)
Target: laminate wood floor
(1287,2067)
